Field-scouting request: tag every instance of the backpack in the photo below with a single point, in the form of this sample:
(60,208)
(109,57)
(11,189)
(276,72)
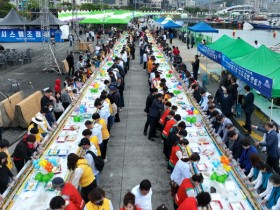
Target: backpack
(98,161)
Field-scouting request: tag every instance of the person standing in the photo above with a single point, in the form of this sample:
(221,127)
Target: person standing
(188,41)
(87,36)
(92,35)
(195,67)
(83,175)
(98,201)
(154,115)
(192,41)
(271,144)
(194,203)
(248,108)
(71,39)
(149,102)
(145,59)
(244,159)
(68,192)
(143,195)
(129,202)
(5,174)
(171,36)
(70,61)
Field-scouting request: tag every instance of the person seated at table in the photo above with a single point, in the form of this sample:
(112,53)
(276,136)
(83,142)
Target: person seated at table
(272,199)
(97,200)
(129,202)
(5,174)
(4,144)
(59,203)
(24,151)
(263,177)
(255,170)
(248,150)
(83,175)
(186,189)
(194,203)
(69,192)
(183,167)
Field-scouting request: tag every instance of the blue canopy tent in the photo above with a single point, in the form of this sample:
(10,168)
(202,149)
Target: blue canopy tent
(171,24)
(203,28)
(160,19)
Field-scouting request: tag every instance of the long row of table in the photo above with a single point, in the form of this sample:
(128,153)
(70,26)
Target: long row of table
(231,191)
(31,194)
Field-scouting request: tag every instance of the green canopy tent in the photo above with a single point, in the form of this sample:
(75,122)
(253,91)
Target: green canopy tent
(221,43)
(265,62)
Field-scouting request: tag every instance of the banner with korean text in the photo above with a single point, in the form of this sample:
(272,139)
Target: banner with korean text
(208,52)
(258,82)
(21,35)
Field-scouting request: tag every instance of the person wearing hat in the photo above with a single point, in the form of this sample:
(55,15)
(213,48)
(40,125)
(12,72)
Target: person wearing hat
(4,144)
(47,97)
(37,121)
(68,192)
(5,174)
(105,134)
(24,151)
(44,128)
(89,149)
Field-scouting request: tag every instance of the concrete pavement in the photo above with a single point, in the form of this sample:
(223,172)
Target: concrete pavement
(131,156)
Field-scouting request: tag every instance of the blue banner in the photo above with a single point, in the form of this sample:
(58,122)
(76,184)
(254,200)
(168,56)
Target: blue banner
(258,82)
(19,35)
(212,54)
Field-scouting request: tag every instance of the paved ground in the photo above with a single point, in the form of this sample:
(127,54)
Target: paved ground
(131,156)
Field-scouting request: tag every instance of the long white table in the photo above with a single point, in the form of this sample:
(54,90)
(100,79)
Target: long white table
(21,199)
(231,193)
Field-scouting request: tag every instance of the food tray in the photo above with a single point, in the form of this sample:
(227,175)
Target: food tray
(60,139)
(202,167)
(31,185)
(56,169)
(236,206)
(62,152)
(53,152)
(71,137)
(48,186)
(71,127)
(216,205)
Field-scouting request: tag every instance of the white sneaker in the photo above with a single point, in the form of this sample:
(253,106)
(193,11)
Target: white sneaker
(121,109)
(105,160)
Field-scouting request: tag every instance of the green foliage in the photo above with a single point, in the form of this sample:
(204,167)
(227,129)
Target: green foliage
(5,7)
(92,7)
(194,10)
(33,5)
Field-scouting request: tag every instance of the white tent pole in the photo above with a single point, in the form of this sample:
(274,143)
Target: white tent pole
(271,107)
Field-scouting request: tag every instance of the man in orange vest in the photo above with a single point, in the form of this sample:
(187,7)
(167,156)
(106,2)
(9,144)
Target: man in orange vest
(68,192)
(192,203)
(186,189)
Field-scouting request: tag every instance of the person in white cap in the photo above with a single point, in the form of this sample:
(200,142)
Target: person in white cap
(36,123)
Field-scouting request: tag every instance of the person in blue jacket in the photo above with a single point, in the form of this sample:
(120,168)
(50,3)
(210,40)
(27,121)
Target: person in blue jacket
(248,150)
(272,200)
(271,144)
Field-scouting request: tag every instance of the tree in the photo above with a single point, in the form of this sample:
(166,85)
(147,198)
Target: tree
(5,7)
(89,6)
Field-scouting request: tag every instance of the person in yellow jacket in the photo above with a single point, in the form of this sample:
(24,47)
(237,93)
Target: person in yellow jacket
(4,144)
(87,133)
(105,134)
(36,123)
(83,175)
(98,201)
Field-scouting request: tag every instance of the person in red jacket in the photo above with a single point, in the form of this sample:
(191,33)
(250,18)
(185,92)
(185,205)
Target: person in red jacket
(192,203)
(59,203)
(174,119)
(57,87)
(68,192)
(166,112)
(186,189)
(129,202)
